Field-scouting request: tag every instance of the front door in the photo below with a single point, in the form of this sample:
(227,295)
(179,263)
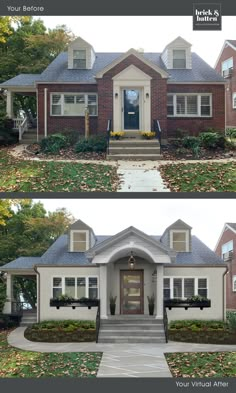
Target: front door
(131,292)
(131,98)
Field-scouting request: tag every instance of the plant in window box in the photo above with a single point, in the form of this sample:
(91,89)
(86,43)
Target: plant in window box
(88,302)
(193,301)
(112,304)
(148,134)
(62,300)
(151,304)
(117,134)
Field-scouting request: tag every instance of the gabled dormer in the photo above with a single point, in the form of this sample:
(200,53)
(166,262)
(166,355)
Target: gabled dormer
(178,237)
(177,55)
(81,55)
(80,237)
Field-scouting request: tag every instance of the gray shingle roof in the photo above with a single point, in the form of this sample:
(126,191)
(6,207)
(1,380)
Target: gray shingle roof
(59,255)
(58,71)
(232,225)
(22,80)
(232,42)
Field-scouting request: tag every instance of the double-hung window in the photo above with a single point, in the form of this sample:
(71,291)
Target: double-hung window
(79,59)
(226,249)
(179,240)
(179,58)
(185,287)
(226,66)
(71,104)
(234,100)
(76,287)
(189,105)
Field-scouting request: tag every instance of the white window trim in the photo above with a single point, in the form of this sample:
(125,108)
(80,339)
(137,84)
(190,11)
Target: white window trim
(86,58)
(182,278)
(62,103)
(80,231)
(229,242)
(75,277)
(226,60)
(199,95)
(234,283)
(234,98)
(186,231)
(182,68)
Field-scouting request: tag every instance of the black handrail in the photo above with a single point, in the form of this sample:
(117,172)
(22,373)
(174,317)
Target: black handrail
(157,130)
(109,126)
(97,322)
(165,322)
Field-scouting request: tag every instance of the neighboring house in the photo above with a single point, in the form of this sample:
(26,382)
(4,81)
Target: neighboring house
(82,264)
(225,249)
(226,66)
(133,90)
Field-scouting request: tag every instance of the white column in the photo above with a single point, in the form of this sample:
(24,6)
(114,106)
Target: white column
(10,104)
(159,292)
(45,112)
(7,307)
(103,291)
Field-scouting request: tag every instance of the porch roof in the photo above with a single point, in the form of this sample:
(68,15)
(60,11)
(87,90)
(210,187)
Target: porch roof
(59,255)
(26,80)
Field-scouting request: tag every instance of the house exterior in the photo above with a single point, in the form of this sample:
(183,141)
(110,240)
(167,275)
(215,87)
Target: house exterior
(81,264)
(133,90)
(225,65)
(225,249)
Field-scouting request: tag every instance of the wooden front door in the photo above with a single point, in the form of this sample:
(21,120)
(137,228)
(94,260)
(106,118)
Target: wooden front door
(131,292)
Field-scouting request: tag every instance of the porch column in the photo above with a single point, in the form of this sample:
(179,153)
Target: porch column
(159,292)
(103,291)
(10,104)
(7,308)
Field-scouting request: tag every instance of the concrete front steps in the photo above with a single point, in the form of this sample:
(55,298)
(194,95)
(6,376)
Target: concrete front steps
(28,318)
(131,329)
(134,149)
(29,137)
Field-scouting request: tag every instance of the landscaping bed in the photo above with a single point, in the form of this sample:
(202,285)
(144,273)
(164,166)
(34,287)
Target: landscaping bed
(62,331)
(15,363)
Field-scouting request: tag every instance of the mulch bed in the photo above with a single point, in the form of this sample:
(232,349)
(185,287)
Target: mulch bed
(169,153)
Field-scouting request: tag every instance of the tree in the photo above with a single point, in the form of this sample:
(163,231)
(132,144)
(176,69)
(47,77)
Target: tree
(29,230)
(5,211)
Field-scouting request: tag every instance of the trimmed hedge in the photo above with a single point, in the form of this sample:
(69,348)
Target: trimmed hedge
(97,144)
(9,321)
(203,337)
(52,336)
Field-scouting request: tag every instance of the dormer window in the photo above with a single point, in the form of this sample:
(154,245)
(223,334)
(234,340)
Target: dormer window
(179,58)
(79,241)
(79,59)
(179,240)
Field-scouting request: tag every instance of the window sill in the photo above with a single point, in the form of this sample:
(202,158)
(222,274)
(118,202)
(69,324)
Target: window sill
(189,117)
(66,116)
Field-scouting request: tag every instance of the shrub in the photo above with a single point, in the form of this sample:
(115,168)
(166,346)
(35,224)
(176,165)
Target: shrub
(231,133)
(53,143)
(92,144)
(3,296)
(231,319)
(193,143)
(7,134)
(212,140)
(197,325)
(66,325)
(72,136)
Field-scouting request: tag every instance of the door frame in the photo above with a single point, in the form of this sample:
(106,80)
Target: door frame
(140,89)
(141,272)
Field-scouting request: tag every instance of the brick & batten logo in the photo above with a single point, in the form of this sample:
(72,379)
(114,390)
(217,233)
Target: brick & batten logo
(207,16)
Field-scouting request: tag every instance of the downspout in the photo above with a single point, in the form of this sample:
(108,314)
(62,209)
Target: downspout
(37,99)
(45,112)
(38,294)
(224,292)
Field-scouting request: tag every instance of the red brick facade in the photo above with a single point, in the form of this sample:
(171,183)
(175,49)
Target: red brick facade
(227,236)
(230,86)
(159,89)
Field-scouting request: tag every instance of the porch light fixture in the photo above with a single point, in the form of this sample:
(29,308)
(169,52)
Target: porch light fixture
(116,95)
(147,96)
(131,261)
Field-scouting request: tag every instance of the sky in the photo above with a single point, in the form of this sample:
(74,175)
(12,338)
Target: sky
(152,33)
(152,216)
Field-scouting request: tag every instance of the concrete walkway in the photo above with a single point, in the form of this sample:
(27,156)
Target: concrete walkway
(121,360)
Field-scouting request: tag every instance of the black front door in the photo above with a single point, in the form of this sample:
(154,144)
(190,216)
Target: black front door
(131,109)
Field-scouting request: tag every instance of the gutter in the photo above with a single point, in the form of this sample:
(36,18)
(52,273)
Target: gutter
(224,293)
(38,294)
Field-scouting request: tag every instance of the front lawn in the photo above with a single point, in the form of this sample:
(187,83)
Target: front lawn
(202,364)
(29,176)
(24,364)
(200,176)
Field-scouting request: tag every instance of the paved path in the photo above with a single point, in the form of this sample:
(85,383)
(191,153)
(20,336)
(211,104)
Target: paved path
(140,176)
(121,360)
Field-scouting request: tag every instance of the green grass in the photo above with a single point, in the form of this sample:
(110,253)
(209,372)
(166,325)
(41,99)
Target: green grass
(17,363)
(30,176)
(200,176)
(202,364)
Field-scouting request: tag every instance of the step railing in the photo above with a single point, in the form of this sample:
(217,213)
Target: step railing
(19,307)
(17,122)
(109,127)
(98,322)
(23,127)
(165,322)
(157,130)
